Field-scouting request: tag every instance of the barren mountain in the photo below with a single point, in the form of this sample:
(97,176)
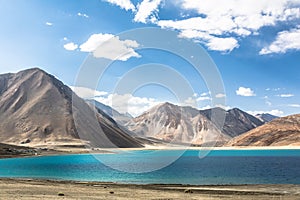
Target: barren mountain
(37,109)
(265,117)
(236,121)
(118,117)
(279,132)
(186,124)
(169,122)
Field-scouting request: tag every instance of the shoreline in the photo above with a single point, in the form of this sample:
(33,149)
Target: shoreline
(11,188)
(76,151)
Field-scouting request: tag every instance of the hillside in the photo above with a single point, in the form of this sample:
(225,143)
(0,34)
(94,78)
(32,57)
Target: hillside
(279,132)
(37,109)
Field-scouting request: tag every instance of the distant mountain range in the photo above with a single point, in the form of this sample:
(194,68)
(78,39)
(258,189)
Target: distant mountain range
(37,109)
(186,124)
(170,122)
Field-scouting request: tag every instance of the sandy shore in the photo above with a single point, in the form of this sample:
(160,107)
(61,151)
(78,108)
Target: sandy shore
(12,151)
(45,189)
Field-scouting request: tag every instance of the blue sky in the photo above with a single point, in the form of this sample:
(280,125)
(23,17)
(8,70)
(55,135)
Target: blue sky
(255,45)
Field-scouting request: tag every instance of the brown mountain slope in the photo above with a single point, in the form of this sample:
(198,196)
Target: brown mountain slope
(178,124)
(284,131)
(37,109)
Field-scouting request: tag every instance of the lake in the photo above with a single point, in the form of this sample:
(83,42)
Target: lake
(217,167)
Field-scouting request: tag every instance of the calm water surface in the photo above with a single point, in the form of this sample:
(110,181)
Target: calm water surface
(218,167)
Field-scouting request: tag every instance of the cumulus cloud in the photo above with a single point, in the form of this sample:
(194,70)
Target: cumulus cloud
(128,103)
(146,10)
(82,15)
(220,25)
(70,46)
(94,41)
(111,47)
(285,95)
(222,44)
(87,93)
(124,4)
(274,112)
(246,92)
(237,18)
(285,41)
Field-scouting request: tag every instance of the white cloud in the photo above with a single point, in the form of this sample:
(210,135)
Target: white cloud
(146,9)
(285,40)
(94,41)
(220,25)
(272,112)
(276,112)
(223,106)
(82,15)
(205,94)
(205,107)
(190,102)
(222,44)
(124,4)
(246,92)
(285,95)
(65,39)
(111,47)
(233,18)
(70,46)
(220,95)
(87,93)
(203,98)
(294,105)
(128,103)
(49,23)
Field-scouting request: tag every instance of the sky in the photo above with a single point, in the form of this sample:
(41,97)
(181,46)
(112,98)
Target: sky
(255,46)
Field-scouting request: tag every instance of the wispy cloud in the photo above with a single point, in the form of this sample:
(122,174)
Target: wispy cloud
(49,24)
(220,95)
(87,93)
(146,10)
(293,105)
(285,41)
(274,112)
(285,95)
(82,15)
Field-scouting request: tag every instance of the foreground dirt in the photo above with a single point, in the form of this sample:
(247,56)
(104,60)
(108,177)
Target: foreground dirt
(43,189)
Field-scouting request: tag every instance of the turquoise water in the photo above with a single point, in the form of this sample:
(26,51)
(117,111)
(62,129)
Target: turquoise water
(218,167)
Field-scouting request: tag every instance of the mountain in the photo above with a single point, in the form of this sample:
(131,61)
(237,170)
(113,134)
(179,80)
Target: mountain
(169,122)
(118,117)
(265,117)
(38,109)
(279,132)
(186,124)
(236,121)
